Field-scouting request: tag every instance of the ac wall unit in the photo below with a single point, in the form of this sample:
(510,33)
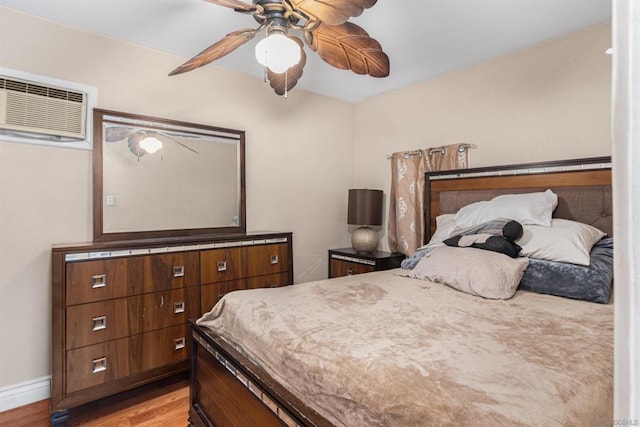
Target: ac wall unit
(42,111)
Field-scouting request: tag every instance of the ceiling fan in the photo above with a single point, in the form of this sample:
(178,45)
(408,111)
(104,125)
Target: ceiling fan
(141,142)
(325,29)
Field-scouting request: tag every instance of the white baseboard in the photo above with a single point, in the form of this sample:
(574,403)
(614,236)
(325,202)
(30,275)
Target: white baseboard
(24,393)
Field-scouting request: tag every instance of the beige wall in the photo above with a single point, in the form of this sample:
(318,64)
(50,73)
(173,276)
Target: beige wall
(548,102)
(45,192)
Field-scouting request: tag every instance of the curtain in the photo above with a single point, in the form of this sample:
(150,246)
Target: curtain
(406,221)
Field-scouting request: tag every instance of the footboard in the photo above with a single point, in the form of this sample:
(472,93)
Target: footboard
(227,389)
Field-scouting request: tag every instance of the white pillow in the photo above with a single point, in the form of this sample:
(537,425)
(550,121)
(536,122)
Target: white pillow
(530,208)
(444,226)
(474,271)
(565,241)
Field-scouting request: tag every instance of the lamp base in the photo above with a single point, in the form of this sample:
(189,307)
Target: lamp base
(364,239)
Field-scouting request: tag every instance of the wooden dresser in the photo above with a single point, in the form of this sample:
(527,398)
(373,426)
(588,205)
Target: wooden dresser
(120,310)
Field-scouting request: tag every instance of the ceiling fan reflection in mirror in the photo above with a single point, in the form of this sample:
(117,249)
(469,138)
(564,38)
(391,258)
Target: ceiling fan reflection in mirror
(143,141)
(325,30)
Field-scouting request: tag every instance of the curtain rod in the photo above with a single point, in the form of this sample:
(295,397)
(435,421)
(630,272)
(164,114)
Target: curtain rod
(460,148)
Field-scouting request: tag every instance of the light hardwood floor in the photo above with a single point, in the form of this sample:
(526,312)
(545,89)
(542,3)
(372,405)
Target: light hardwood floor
(165,403)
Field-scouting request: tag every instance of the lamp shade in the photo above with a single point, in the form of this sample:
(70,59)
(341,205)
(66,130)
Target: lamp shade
(365,207)
(278,53)
(150,144)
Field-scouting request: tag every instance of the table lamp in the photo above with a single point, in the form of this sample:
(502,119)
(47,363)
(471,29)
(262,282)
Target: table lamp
(364,209)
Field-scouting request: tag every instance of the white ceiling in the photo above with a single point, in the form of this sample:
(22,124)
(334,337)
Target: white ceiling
(423,38)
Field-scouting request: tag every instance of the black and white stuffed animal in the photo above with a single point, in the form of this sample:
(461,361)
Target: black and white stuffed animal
(505,244)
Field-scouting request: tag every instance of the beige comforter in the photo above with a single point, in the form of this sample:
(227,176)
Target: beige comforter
(380,349)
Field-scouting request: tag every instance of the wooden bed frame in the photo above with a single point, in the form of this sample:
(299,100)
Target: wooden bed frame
(227,389)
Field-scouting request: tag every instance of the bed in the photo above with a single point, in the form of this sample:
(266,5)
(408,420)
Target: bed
(385,349)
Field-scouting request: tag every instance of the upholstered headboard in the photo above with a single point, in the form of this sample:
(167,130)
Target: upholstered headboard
(583,187)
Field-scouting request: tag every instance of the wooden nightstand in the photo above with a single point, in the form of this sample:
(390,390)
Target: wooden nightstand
(347,261)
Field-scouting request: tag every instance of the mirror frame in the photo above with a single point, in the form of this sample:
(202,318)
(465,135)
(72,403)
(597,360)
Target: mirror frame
(175,234)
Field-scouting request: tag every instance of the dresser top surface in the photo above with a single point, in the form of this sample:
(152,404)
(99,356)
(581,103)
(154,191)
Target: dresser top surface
(160,245)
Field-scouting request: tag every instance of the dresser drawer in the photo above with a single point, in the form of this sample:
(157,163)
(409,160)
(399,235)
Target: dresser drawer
(109,361)
(159,348)
(266,259)
(97,364)
(97,322)
(218,265)
(97,280)
(269,281)
(341,268)
(211,293)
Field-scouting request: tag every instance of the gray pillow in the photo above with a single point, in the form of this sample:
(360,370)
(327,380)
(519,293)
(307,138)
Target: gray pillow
(474,271)
(589,283)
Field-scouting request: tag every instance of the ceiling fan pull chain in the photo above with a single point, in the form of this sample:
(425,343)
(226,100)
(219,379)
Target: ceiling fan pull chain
(266,77)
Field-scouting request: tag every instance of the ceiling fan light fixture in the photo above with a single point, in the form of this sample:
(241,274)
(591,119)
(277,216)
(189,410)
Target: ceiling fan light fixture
(326,30)
(150,144)
(277,52)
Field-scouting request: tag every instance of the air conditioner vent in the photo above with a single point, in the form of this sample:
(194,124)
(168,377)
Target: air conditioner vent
(31,107)
(36,89)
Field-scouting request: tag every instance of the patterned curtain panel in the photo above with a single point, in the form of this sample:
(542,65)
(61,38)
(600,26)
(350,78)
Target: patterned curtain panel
(406,222)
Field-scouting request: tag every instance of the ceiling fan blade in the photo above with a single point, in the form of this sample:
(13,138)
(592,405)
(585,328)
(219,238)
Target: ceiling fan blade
(172,139)
(116,133)
(282,83)
(332,12)
(133,142)
(349,47)
(222,47)
(236,5)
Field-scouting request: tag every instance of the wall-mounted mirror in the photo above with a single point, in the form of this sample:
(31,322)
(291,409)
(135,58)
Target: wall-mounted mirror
(158,178)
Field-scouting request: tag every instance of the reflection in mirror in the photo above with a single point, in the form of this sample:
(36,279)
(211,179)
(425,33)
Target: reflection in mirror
(166,178)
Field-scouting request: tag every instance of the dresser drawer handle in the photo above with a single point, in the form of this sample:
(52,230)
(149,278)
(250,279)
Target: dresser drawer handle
(98,365)
(98,281)
(349,272)
(178,307)
(222,265)
(178,271)
(274,259)
(179,343)
(99,323)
